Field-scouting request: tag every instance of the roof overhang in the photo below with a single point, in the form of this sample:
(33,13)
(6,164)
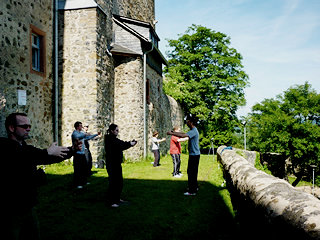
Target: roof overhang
(76,4)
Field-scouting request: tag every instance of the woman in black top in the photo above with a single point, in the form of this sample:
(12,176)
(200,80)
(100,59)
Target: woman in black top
(114,148)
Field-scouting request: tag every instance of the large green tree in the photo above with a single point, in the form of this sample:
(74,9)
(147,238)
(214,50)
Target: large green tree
(289,125)
(205,75)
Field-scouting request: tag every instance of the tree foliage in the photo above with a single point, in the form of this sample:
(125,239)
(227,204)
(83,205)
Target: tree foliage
(205,75)
(289,124)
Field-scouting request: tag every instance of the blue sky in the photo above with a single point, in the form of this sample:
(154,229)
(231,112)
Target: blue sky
(278,39)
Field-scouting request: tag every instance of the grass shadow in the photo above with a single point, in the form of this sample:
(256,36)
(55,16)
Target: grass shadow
(157,210)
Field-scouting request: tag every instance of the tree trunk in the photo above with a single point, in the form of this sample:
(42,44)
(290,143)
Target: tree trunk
(299,177)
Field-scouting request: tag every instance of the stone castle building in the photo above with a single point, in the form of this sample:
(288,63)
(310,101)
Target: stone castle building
(97,62)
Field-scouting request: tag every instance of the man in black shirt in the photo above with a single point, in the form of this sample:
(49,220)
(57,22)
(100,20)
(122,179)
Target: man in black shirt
(18,177)
(114,148)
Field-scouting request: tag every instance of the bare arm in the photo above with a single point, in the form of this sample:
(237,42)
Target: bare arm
(178,134)
(183,139)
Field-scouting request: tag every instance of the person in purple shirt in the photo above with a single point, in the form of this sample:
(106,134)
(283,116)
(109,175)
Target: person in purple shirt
(79,159)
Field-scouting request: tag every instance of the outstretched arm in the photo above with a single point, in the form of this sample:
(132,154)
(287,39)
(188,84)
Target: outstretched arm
(178,134)
(183,139)
(54,153)
(57,151)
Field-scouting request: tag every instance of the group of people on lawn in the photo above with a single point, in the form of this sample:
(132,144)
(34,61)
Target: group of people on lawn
(20,186)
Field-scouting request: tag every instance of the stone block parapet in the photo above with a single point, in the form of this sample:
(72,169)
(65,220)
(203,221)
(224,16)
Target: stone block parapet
(291,213)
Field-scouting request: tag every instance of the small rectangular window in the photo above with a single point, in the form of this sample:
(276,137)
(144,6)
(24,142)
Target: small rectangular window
(38,60)
(36,52)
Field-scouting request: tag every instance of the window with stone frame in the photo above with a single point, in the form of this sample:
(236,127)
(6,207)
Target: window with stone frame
(38,51)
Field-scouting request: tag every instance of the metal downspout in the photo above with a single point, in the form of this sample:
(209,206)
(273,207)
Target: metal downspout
(145,101)
(56,79)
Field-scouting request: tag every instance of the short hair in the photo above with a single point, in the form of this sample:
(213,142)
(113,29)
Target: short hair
(12,119)
(192,119)
(112,127)
(76,124)
(175,128)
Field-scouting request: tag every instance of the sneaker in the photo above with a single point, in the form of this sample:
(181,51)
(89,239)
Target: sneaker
(189,194)
(115,205)
(79,187)
(177,176)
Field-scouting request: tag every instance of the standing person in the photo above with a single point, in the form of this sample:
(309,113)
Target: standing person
(114,148)
(155,148)
(80,165)
(87,150)
(194,155)
(175,151)
(18,177)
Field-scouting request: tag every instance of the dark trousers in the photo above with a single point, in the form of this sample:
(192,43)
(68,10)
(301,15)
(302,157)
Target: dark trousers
(22,226)
(80,168)
(115,183)
(176,164)
(193,164)
(89,162)
(156,157)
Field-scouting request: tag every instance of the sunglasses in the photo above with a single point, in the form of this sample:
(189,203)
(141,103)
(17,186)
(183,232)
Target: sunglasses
(24,126)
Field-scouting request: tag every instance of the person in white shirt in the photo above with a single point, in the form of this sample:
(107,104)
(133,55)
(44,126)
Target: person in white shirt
(155,148)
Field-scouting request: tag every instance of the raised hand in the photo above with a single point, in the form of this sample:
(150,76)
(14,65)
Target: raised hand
(57,151)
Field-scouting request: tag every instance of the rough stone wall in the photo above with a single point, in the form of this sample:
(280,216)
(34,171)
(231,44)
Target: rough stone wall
(177,114)
(87,73)
(105,74)
(291,214)
(93,86)
(15,60)
(142,10)
(78,43)
(164,111)
(128,103)
(105,95)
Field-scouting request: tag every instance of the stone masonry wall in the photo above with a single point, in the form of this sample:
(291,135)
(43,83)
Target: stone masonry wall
(101,92)
(142,10)
(128,103)
(105,74)
(15,60)
(87,74)
(164,111)
(272,207)
(93,87)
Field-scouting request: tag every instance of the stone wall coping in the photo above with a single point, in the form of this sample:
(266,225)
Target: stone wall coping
(276,197)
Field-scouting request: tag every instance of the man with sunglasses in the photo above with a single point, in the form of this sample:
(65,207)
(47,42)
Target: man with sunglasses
(19,179)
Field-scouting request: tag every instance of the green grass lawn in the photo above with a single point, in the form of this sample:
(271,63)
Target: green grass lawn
(158,209)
